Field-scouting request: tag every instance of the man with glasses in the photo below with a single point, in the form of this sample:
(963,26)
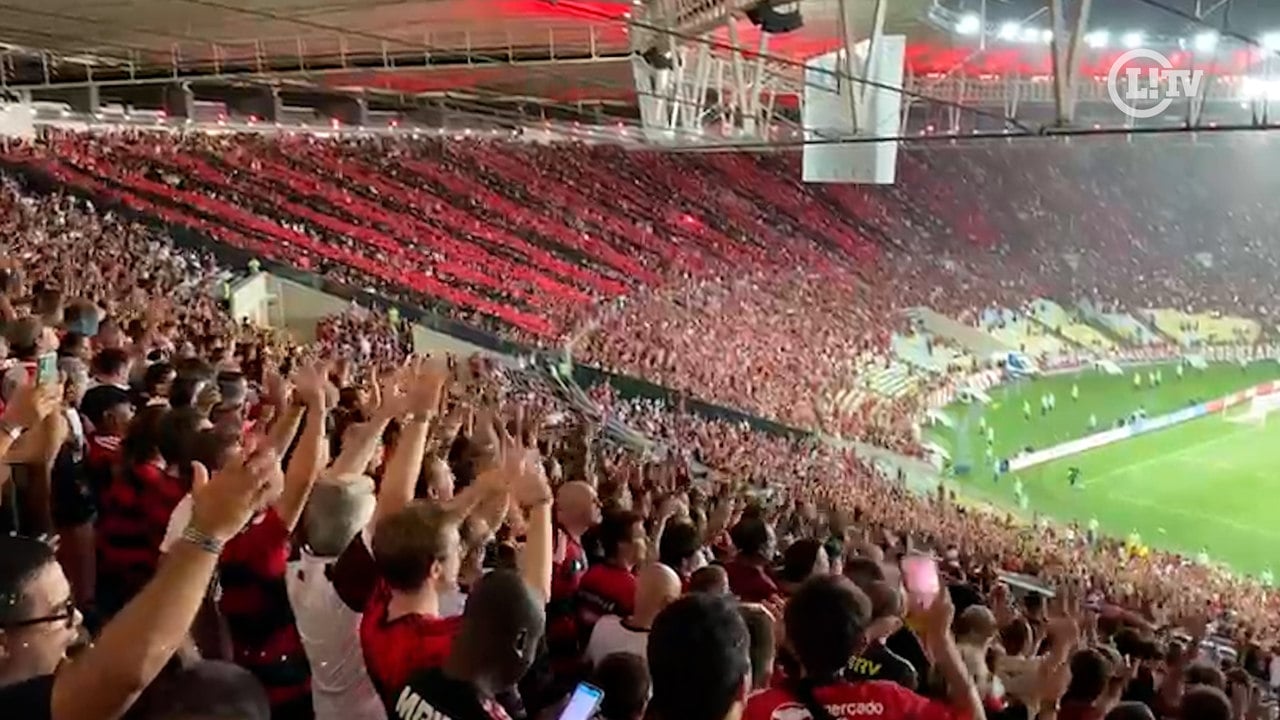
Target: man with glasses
(39,622)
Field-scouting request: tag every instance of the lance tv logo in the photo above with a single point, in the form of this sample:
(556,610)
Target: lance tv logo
(1142,86)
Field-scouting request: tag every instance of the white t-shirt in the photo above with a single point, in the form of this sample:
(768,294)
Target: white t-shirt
(330,631)
(452,603)
(610,636)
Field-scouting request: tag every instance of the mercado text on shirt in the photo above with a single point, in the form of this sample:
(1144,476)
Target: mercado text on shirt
(796,711)
(411,707)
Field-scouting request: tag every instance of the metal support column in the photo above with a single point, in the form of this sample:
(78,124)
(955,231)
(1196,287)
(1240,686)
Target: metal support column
(848,64)
(1065,47)
(871,67)
(739,118)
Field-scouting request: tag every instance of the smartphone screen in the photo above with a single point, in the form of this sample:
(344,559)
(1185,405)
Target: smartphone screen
(583,703)
(47,369)
(920,575)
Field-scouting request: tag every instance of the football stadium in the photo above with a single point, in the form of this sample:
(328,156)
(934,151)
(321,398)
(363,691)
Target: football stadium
(1201,486)
(639,359)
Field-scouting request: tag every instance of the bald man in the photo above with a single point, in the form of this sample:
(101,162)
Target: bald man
(576,509)
(657,586)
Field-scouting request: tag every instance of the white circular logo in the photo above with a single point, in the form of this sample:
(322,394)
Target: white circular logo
(1123,101)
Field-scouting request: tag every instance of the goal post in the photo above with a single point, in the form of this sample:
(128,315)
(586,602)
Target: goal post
(1255,412)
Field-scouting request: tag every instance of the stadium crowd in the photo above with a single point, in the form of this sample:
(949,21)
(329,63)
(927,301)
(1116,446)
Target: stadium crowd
(736,283)
(213,522)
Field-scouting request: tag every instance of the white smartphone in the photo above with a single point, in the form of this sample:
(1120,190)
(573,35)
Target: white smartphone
(584,702)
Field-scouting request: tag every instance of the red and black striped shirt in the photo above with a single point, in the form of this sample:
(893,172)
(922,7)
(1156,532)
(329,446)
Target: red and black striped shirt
(264,635)
(570,564)
(604,590)
(395,649)
(134,513)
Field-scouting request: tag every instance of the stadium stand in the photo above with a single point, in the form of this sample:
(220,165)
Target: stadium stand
(1057,319)
(762,309)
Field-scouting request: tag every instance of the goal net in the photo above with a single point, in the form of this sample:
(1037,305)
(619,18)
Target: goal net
(1257,410)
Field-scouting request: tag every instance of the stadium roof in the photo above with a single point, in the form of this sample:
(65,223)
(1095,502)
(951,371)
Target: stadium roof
(562,50)
(560,58)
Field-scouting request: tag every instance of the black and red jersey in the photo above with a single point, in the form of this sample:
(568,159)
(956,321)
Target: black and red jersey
(255,603)
(134,512)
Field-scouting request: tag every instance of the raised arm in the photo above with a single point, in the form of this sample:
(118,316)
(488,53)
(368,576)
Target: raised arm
(32,404)
(426,380)
(961,692)
(107,678)
(29,425)
(308,457)
(533,493)
(361,441)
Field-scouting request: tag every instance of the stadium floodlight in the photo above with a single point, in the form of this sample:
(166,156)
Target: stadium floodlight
(1205,41)
(970,24)
(1271,41)
(1030,35)
(1133,39)
(1097,39)
(1009,31)
(1046,36)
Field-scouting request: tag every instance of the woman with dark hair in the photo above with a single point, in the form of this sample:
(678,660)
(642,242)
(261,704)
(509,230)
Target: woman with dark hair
(135,512)
(801,561)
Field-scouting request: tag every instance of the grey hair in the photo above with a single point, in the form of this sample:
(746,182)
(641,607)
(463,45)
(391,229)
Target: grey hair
(337,510)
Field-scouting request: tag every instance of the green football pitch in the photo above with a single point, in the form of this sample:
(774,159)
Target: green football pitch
(1208,485)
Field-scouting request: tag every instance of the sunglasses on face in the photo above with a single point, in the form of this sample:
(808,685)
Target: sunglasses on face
(66,614)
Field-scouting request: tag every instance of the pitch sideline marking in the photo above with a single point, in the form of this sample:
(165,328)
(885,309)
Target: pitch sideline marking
(1123,469)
